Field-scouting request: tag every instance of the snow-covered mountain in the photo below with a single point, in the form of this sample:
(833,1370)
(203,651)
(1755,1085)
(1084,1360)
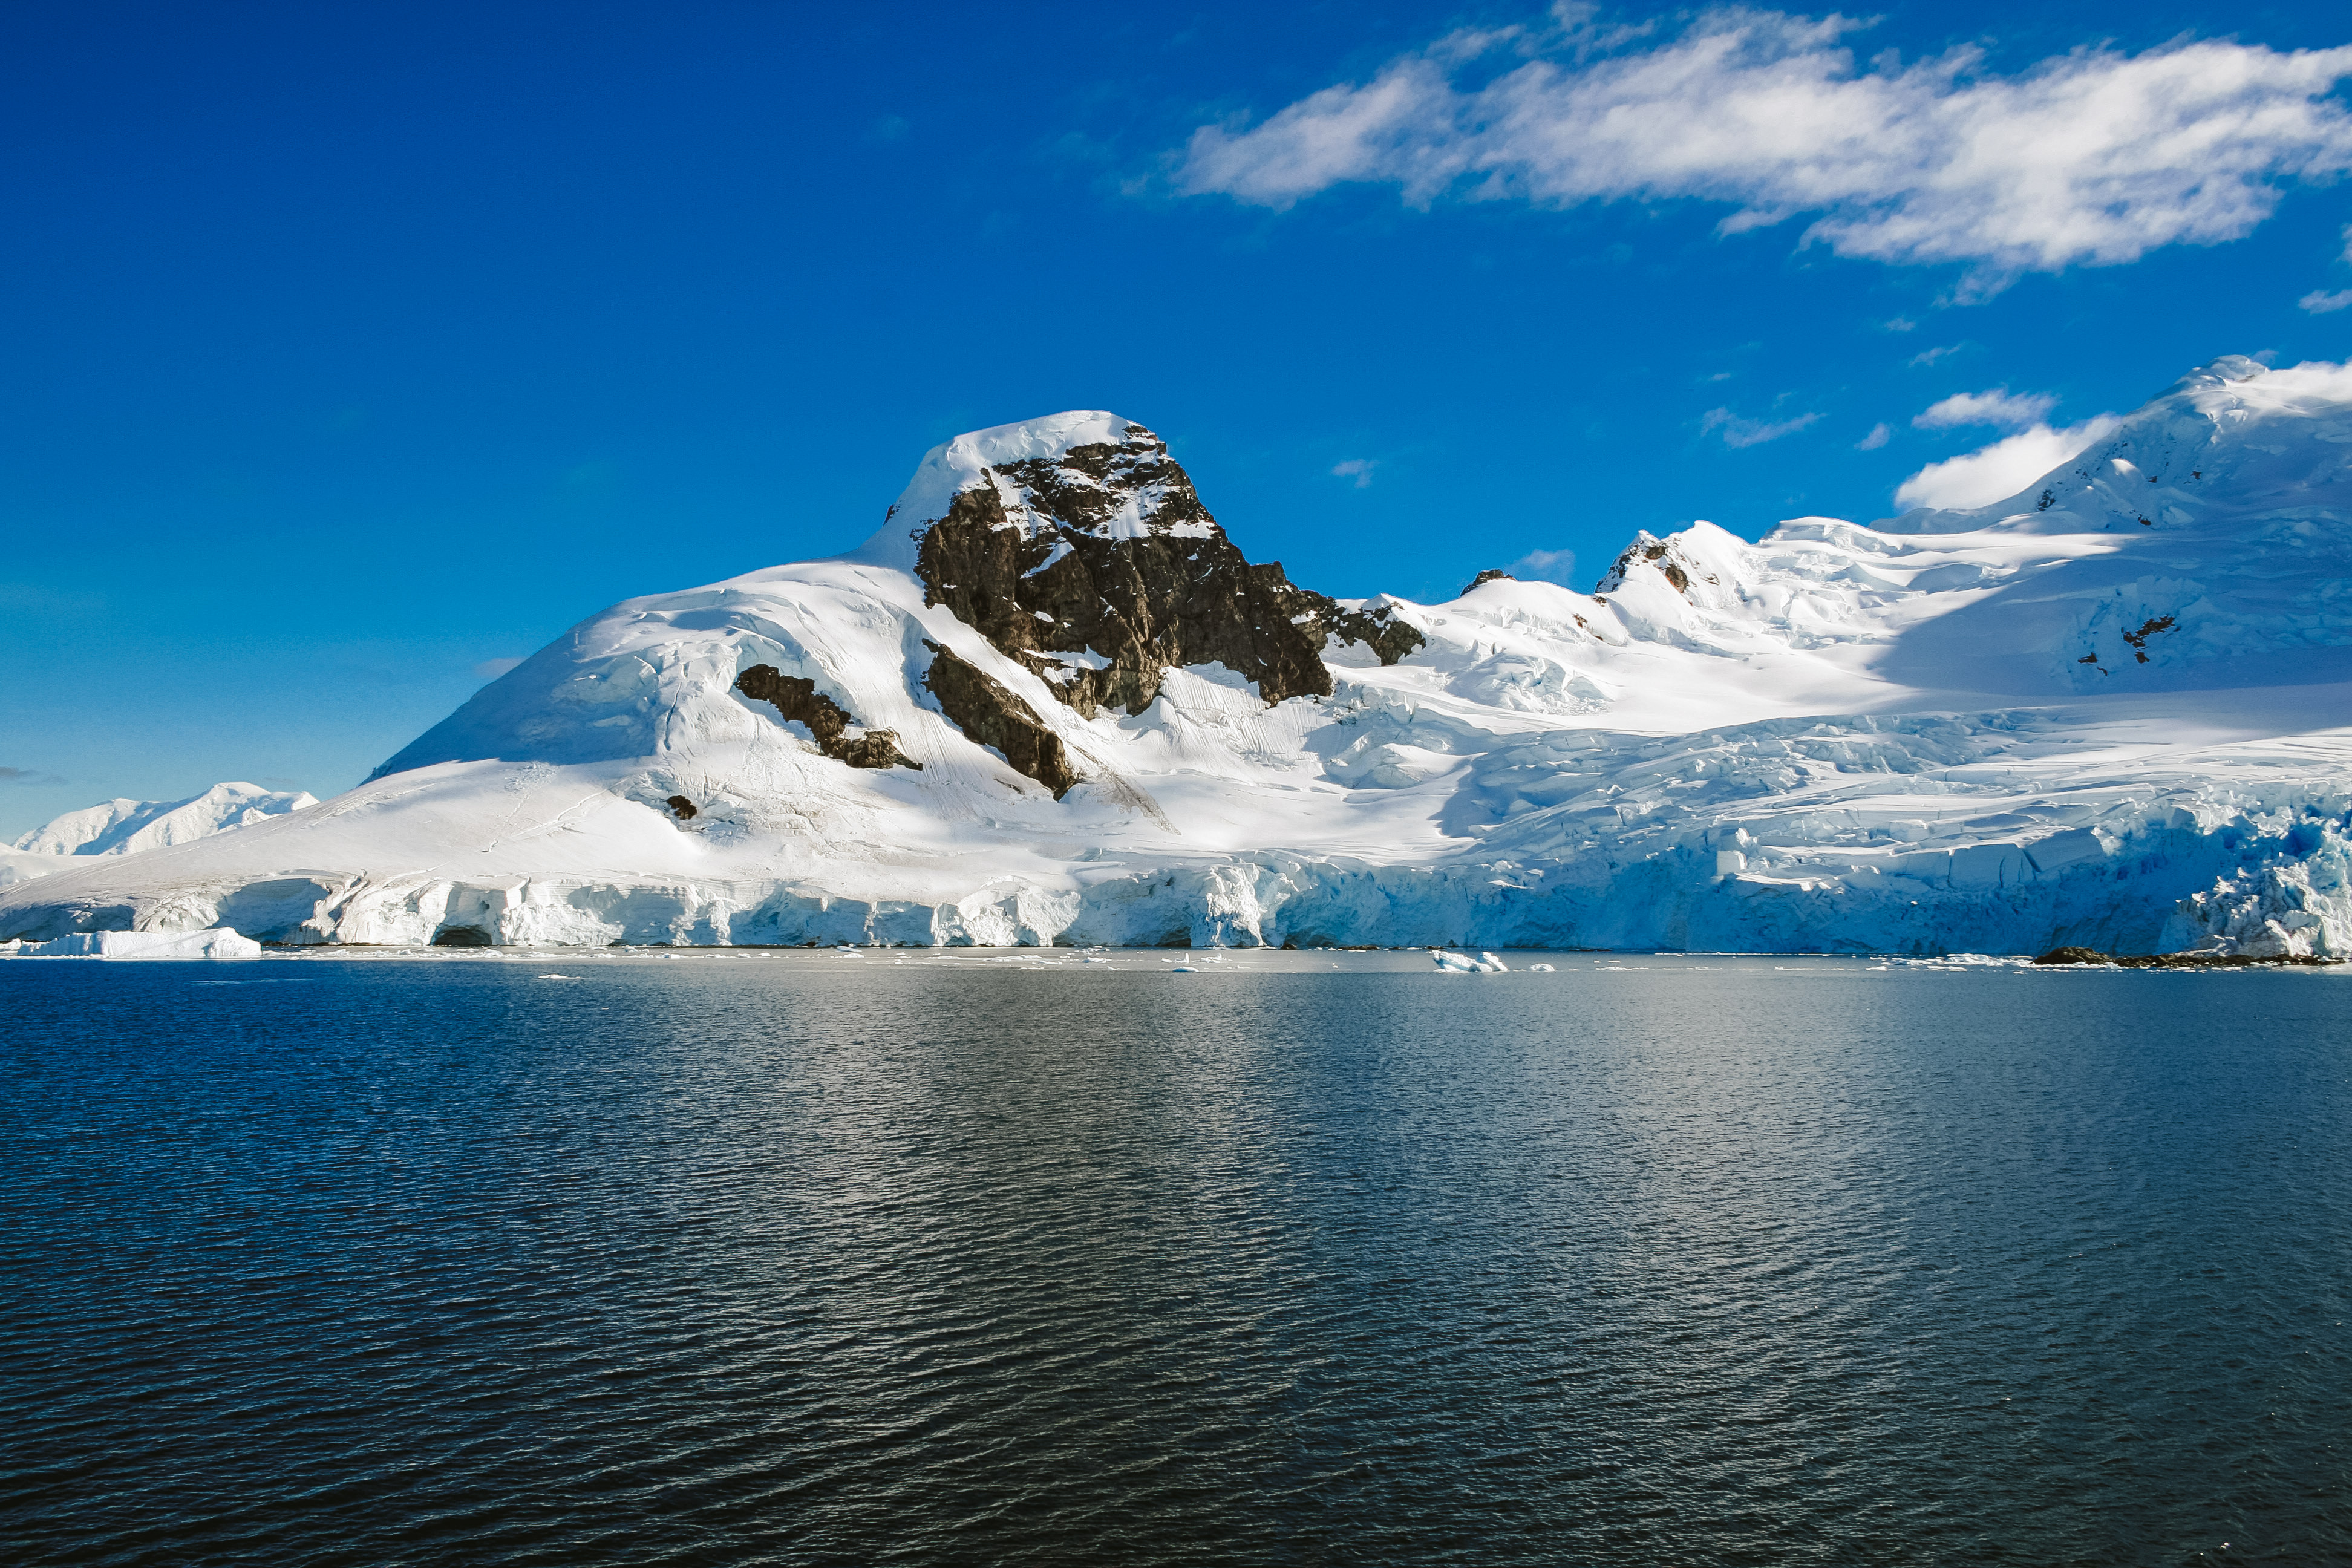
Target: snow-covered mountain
(1051,702)
(122,826)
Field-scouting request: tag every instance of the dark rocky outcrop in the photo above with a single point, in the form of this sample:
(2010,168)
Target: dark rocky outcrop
(682,808)
(1491,574)
(1107,553)
(2060,955)
(798,700)
(1647,548)
(461,936)
(2148,628)
(990,714)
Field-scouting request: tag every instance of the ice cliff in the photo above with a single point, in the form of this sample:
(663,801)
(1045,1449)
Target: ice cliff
(1051,702)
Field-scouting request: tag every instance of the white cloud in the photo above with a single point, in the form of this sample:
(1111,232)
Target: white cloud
(1902,324)
(1994,473)
(1879,436)
(492,669)
(2320,303)
(1357,469)
(2091,156)
(1929,356)
(1739,432)
(1997,406)
(1545,567)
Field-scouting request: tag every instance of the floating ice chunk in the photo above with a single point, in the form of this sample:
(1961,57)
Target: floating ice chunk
(1463,964)
(1540,969)
(218,942)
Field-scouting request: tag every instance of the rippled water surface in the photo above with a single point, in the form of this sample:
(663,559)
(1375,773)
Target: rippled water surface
(811,1258)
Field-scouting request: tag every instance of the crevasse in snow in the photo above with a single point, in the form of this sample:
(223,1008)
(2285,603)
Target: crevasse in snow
(2108,711)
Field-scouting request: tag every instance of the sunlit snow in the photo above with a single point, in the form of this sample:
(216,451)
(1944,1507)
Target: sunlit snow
(2108,710)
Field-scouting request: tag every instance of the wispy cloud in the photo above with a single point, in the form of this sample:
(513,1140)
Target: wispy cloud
(2003,469)
(1901,324)
(1545,567)
(2095,155)
(1357,469)
(1932,356)
(1739,432)
(2319,303)
(1997,406)
(1879,436)
(29,776)
(492,669)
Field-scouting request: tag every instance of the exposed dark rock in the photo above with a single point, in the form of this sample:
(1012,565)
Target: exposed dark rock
(461,936)
(2148,628)
(1645,548)
(1491,574)
(991,715)
(1389,636)
(682,808)
(1107,550)
(798,700)
(2180,959)
(875,749)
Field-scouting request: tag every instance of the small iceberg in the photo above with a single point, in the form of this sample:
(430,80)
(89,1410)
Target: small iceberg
(218,942)
(1449,962)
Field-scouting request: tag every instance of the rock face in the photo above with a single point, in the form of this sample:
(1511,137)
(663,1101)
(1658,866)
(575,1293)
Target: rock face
(1098,567)
(1648,549)
(798,700)
(991,715)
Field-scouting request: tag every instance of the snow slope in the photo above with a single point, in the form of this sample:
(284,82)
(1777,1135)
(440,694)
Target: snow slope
(2114,711)
(122,826)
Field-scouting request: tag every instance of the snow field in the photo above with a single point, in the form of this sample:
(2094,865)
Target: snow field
(2111,717)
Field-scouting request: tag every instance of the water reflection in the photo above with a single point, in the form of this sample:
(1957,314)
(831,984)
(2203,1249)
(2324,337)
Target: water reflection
(818,1260)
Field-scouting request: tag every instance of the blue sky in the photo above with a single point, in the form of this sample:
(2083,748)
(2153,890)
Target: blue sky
(349,348)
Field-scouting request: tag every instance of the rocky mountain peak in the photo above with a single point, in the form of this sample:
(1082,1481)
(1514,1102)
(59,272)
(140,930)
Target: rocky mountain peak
(1077,545)
(1087,467)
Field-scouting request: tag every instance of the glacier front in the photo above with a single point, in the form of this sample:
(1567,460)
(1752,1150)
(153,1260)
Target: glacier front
(1051,703)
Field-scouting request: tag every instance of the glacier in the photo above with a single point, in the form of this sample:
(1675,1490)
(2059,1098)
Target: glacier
(125,826)
(1051,703)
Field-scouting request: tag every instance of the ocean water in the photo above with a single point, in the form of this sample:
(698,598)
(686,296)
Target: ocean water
(807,1259)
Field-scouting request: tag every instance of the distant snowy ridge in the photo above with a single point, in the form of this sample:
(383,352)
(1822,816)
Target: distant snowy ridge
(122,826)
(1051,702)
